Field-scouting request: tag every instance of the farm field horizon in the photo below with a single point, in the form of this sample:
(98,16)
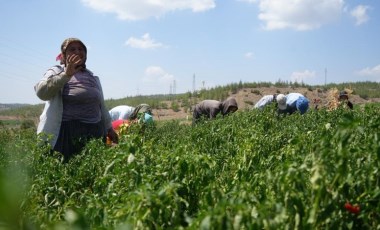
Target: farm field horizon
(250,170)
(178,106)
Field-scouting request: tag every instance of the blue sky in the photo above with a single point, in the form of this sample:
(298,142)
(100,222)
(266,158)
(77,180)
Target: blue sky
(158,46)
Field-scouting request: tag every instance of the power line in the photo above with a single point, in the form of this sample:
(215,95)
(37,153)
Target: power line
(27,50)
(14,77)
(20,60)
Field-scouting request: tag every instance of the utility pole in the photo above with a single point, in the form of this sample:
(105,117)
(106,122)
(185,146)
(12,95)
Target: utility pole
(193,83)
(325,76)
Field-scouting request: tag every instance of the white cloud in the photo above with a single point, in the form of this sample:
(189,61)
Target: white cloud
(360,14)
(302,76)
(248,55)
(155,74)
(146,42)
(297,14)
(250,1)
(142,9)
(370,71)
(157,81)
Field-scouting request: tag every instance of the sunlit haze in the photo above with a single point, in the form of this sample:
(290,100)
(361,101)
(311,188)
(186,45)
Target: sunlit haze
(157,47)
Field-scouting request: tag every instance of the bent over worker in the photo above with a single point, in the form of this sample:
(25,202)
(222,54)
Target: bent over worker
(209,109)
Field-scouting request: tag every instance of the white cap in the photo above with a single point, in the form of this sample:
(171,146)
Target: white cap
(281,101)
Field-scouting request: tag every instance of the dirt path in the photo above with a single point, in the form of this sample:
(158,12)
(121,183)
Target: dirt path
(7,118)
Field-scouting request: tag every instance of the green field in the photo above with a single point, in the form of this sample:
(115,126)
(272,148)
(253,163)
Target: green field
(251,170)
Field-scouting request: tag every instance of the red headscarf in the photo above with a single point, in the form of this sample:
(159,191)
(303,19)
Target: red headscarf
(116,124)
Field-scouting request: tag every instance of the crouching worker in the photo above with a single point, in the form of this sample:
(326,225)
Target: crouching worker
(209,109)
(142,115)
(291,103)
(121,112)
(266,100)
(126,112)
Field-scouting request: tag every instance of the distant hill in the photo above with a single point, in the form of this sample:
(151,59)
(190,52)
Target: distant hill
(11,106)
(178,106)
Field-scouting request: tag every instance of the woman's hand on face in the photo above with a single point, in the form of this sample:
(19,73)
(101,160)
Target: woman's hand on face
(73,64)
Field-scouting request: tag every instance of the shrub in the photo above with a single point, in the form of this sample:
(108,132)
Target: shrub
(256,91)
(27,124)
(175,106)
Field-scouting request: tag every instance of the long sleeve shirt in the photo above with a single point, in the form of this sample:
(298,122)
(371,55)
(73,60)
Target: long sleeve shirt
(49,89)
(264,101)
(207,108)
(294,102)
(211,108)
(291,99)
(121,112)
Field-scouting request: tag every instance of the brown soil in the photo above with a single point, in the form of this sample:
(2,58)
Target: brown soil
(7,118)
(247,97)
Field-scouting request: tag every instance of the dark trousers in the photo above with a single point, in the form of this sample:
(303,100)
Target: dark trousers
(74,135)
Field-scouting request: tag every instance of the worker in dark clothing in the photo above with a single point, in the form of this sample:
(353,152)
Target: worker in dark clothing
(209,109)
(343,99)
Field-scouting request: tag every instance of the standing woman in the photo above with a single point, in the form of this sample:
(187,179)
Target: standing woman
(74,110)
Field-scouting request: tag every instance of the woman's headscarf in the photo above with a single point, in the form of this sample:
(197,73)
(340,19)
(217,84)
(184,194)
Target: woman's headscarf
(142,108)
(226,104)
(62,56)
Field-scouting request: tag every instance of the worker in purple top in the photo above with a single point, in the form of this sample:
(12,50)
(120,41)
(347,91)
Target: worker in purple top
(74,110)
(209,109)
